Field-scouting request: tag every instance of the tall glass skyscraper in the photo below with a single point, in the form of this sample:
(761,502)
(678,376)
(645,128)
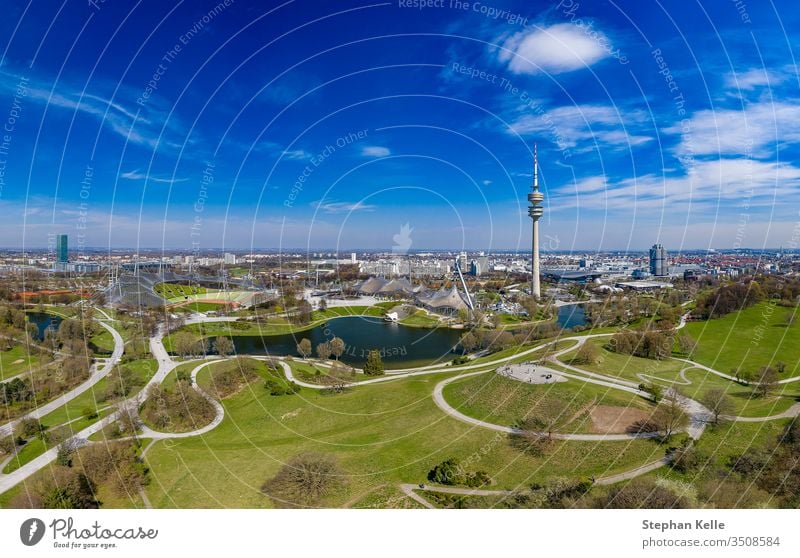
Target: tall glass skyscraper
(62,249)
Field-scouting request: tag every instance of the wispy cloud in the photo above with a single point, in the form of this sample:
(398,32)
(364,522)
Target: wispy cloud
(296,154)
(756,130)
(147,125)
(342,207)
(136,175)
(563,47)
(576,124)
(755,78)
(375,151)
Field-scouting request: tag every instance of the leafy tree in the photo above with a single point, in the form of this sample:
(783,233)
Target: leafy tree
(374,364)
(183,342)
(447,472)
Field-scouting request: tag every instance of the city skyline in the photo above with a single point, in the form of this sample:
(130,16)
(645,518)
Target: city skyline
(307,138)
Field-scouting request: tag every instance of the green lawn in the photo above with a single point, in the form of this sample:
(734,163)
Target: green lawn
(200,306)
(504,401)
(752,338)
(627,366)
(420,318)
(16,361)
(174,290)
(382,434)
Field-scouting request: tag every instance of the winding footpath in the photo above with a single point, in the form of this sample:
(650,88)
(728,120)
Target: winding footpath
(699,415)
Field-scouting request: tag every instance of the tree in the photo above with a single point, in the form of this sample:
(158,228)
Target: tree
(587,354)
(304,347)
(223,345)
(374,364)
(324,350)
(686,344)
(642,494)
(323,305)
(469,342)
(718,402)
(337,347)
(304,480)
(447,472)
(183,343)
(767,377)
(669,416)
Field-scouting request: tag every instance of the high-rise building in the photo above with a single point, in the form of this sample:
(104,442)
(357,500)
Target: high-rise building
(479,266)
(353,259)
(658,260)
(62,249)
(461,262)
(535,211)
(229,259)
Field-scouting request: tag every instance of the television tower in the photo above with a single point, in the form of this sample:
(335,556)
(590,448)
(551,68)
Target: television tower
(535,211)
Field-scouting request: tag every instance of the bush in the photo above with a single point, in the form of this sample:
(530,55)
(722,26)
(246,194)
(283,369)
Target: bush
(304,480)
(446,472)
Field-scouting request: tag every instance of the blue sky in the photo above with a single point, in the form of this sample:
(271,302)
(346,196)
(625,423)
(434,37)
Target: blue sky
(310,124)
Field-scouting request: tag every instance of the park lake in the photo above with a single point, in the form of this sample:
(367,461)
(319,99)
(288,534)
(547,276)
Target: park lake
(400,346)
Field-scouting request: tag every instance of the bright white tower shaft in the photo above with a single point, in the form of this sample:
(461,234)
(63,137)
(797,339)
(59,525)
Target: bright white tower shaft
(535,211)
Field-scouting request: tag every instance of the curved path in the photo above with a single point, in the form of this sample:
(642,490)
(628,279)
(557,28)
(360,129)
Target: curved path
(101,370)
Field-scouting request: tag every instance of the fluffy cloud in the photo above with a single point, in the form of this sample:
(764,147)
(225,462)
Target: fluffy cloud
(559,48)
(342,207)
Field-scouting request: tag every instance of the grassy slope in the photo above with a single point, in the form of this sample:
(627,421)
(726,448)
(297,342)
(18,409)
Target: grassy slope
(382,435)
(625,366)
(504,401)
(752,338)
(173,290)
(9,365)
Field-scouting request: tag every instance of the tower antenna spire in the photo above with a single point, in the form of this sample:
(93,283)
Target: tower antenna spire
(535,211)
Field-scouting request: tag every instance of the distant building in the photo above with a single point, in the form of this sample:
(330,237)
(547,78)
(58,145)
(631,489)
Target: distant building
(353,259)
(461,262)
(479,266)
(62,249)
(229,259)
(658,260)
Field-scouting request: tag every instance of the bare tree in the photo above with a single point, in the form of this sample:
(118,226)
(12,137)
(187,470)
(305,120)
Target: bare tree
(223,345)
(304,480)
(718,402)
(337,347)
(767,378)
(304,347)
(324,350)
(669,416)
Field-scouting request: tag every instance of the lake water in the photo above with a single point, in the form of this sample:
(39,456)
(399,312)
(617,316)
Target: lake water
(400,346)
(571,316)
(43,320)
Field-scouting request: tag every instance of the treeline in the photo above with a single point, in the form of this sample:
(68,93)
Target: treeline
(81,472)
(743,294)
(497,340)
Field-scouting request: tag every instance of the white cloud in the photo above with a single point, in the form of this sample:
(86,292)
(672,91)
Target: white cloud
(754,78)
(296,154)
(568,126)
(715,183)
(342,207)
(559,48)
(136,175)
(753,131)
(375,151)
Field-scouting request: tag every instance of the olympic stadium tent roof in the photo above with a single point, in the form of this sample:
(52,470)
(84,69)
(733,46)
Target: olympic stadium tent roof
(396,286)
(444,299)
(372,285)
